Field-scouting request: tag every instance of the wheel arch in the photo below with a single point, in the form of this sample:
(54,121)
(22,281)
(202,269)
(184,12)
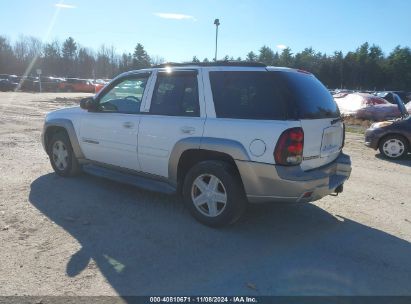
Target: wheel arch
(189,151)
(61,125)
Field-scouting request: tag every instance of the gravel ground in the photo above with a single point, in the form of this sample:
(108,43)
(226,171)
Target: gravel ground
(88,236)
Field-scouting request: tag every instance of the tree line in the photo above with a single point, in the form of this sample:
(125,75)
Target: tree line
(68,59)
(366,68)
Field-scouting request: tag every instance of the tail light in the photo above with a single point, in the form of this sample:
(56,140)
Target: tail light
(289,148)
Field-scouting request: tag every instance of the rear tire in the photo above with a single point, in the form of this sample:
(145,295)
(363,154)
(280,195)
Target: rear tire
(213,193)
(393,146)
(61,155)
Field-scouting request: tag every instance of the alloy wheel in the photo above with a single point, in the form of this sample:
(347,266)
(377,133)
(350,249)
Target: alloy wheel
(60,155)
(209,195)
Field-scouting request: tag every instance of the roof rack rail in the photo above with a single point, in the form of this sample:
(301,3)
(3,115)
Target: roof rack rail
(211,64)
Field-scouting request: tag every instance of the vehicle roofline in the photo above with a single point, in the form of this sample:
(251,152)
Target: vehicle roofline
(200,66)
(225,63)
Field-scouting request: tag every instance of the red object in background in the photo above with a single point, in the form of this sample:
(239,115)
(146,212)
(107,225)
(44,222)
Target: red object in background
(372,101)
(367,106)
(379,112)
(77,85)
(98,87)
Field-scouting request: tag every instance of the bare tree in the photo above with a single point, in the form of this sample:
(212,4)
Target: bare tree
(7,59)
(156,60)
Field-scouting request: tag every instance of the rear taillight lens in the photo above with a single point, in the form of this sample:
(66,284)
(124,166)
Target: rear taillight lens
(289,148)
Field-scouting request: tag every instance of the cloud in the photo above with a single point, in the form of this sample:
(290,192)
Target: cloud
(281,46)
(175,16)
(62,5)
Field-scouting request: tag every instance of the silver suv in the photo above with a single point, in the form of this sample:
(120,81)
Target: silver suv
(220,134)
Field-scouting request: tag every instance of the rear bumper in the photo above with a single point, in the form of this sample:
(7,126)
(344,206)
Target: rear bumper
(271,183)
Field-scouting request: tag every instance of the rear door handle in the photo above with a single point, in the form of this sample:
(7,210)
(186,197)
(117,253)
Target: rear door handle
(188,130)
(128,124)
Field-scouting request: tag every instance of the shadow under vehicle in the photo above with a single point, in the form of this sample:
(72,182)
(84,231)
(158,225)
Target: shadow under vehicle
(157,249)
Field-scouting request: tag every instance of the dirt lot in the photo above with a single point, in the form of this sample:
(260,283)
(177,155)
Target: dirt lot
(87,236)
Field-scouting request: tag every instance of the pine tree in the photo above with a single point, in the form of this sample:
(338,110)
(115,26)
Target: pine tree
(286,58)
(251,57)
(69,54)
(266,56)
(141,60)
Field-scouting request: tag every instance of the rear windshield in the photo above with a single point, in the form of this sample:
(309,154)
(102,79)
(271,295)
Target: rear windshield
(310,97)
(271,96)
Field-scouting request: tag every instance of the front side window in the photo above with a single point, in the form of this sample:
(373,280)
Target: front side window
(125,96)
(176,94)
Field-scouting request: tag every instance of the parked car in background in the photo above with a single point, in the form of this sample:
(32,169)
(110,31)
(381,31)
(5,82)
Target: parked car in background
(7,85)
(12,78)
(8,82)
(366,106)
(48,84)
(76,85)
(379,112)
(99,84)
(392,138)
(27,84)
(389,96)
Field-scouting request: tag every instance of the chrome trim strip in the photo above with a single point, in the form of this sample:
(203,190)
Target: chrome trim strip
(90,141)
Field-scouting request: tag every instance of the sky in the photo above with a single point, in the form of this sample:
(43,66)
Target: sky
(179,29)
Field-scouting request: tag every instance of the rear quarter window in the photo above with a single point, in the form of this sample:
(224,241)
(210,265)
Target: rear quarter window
(247,95)
(274,95)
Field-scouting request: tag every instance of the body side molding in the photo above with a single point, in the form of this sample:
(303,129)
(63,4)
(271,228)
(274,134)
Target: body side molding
(231,147)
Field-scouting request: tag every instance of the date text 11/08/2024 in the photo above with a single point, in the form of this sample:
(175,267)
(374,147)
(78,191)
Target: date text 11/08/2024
(203,300)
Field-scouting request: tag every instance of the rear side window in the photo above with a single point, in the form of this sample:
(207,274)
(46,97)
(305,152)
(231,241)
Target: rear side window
(247,95)
(176,94)
(271,95)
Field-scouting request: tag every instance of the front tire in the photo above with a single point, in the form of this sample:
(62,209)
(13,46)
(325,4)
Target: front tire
(213,193)
(61,155)
(393,146)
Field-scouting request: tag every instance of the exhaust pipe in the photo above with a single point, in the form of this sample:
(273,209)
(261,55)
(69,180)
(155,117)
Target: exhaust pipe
(338,190)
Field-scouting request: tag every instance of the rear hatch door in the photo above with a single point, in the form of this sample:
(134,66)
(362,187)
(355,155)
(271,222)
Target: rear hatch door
(323,140)
(312,104)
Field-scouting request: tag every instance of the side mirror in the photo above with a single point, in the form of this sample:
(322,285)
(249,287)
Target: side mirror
(88,103)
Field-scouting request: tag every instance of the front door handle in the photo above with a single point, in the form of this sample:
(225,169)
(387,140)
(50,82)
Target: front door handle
(128,125)
(188,130)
